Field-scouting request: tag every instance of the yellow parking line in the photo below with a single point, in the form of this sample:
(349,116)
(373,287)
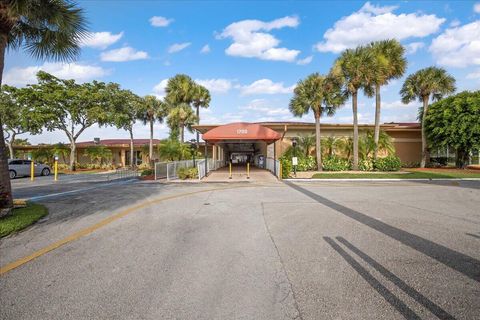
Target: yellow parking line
(98,225)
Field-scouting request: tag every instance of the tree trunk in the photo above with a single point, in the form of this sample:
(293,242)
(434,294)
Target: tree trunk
(6,200)
(11,152)
(73,154)
(150,151)
(198,122)
(132,165)
(318,147)
(355,131)
(425,154)
(182,133)
(376,134)
(462,159)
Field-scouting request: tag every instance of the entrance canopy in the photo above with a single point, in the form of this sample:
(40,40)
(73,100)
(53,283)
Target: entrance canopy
(241,131)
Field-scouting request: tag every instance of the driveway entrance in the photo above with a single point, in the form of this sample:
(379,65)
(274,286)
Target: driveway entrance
(239,173)
(243,144)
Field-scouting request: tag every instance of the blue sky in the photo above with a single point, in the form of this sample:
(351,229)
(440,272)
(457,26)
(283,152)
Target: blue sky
(250,54)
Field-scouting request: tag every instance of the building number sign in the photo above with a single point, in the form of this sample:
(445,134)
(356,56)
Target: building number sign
(242,131)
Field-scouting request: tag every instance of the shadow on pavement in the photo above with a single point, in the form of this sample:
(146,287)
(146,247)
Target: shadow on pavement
(464,264)
(417,296)
(398,304)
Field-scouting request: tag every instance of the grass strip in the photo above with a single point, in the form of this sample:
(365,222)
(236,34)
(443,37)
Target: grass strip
(21,218)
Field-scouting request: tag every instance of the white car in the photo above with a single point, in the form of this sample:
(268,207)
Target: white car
(20,168)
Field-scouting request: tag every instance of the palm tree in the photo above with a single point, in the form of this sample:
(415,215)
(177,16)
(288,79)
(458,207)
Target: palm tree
(352,69)
(155,110)
(201,98)
(99,154)
(389,63)
(321,95)
(45,29)
(306,143)
(425,84)
(330,143)
(182,116)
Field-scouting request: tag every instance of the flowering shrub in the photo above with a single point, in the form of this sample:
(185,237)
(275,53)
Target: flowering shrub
(390,163)
(335,164)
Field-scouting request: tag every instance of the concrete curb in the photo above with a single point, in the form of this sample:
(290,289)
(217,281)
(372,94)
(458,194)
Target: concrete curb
(380,179)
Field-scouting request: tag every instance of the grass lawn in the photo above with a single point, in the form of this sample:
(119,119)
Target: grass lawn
(21,218)
(450,174)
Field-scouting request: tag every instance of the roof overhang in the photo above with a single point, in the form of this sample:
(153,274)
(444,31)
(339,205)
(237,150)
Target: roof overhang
(240,131)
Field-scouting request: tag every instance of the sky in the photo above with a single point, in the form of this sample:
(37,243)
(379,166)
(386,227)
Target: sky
(250,54)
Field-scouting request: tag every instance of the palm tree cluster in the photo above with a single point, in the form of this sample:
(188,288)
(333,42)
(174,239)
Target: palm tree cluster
(367,68)
(184,98)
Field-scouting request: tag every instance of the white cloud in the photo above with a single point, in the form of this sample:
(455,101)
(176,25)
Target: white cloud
(262,108)
(176,47)
(250,42)
(215,85)
(474,75)
(80,72)
(101,40)
(373,23)
(414,46)
(476,7)
(205,49)
(397,104)
(158,21)
(455,23)
(265,86)
(123,54)
(159,89)
(458,47)
(305,61)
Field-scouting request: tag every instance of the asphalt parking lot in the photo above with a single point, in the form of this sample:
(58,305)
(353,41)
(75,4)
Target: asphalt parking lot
(323,250)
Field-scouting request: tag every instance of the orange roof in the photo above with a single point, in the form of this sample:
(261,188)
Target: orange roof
(241,131)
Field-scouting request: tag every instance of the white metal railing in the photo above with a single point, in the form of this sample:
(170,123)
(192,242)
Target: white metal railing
(169,170)
(211,166)
(273,166)
(160,170)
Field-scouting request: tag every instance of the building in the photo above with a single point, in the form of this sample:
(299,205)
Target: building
(271,139)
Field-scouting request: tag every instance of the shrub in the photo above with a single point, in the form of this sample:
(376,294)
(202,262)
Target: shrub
(335,164)
(187,173)
(147,172)
(306,163)
(365,165)
(286,167)
(411,164)
(390,163)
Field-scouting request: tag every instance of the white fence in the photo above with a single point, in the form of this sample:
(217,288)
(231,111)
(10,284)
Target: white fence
(273,166)
(169,170)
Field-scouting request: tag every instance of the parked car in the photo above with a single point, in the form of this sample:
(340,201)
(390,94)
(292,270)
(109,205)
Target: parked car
(20,168)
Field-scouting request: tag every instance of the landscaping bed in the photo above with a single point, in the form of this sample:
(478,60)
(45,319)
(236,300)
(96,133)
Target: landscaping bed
(21,218)
(426,173)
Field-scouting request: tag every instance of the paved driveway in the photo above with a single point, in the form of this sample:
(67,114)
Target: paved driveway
(326,250)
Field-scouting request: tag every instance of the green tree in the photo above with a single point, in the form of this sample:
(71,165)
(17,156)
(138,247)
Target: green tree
(43,154)
(330,144)
(61,149)
(306,143)
(155,110)
(128,107)
(455,122)
(367,145)
(70,107)
(182,116)
(99,154)
(201,98)
(44,29)
(17,115)
(425,84)
(352,68)
(171,149)
(320,95)
(388,62)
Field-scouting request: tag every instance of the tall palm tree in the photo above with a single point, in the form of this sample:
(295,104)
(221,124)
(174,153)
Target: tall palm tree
(425,84)
(182,116)
(45,29)
(201,98)
(321,95)
(155,110)
(352,69)
(389,63)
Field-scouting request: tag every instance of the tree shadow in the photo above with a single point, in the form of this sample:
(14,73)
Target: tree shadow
(458,261)
(417,296)
(395,302)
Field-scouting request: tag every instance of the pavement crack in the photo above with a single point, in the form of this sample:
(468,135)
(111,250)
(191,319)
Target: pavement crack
(295,303)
